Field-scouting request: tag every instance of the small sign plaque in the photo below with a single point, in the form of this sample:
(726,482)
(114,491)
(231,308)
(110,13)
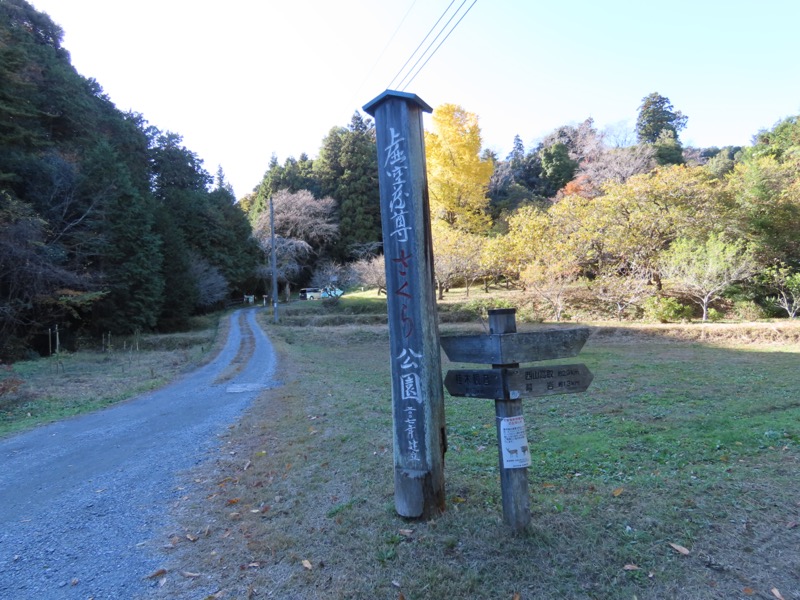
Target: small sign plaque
(514,443)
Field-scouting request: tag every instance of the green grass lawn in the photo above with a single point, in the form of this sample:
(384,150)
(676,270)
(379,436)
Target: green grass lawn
(677,446)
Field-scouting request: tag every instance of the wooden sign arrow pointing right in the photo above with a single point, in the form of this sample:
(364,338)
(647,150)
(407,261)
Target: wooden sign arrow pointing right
(505,348)
(518,383)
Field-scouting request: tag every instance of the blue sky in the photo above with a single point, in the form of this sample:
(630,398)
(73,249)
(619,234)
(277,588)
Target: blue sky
(241,80)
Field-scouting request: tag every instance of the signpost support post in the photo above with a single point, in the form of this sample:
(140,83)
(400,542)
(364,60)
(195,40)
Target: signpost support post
(506,383)
(508,412)
(417,393)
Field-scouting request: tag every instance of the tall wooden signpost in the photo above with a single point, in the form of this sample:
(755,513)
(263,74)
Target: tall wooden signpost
(417,394)
(506,383)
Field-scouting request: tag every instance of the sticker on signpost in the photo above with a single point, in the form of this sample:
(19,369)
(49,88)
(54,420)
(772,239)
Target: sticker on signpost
(514,443)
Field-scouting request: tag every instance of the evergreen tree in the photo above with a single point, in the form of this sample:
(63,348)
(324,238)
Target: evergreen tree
(656,114)
(557,166)
(129,255)
(347,171)
(180,289)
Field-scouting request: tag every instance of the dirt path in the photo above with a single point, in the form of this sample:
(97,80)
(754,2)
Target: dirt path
(80,499)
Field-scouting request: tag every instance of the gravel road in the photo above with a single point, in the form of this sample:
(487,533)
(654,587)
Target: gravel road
(81,500)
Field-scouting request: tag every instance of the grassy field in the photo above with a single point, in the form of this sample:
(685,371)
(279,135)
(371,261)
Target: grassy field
(35,392)
(674,476)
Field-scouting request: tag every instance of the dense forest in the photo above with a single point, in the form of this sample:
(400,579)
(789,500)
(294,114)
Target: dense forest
(108,224)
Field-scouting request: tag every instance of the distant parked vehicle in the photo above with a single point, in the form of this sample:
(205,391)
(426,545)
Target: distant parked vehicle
(310,294)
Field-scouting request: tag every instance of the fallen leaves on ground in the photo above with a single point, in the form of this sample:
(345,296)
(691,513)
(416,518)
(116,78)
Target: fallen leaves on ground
(631,567)
(617,492)
(156,574)
(680,549)
(307,564)
(777,594)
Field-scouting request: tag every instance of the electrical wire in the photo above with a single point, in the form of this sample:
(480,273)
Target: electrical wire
(430,31)
(433,41)
(440,43)
(386,47)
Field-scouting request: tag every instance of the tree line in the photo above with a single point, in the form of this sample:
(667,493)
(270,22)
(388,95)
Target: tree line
(646,228)
(107,224)
(642,226)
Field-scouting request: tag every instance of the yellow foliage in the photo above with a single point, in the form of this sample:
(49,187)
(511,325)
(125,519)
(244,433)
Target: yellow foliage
(457,176)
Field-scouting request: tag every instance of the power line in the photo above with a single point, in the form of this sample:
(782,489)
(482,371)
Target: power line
(430,31)
(386,47)
(440,43)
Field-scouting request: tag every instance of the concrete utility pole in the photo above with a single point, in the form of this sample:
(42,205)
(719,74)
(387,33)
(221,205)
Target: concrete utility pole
(273,262)
(417,395)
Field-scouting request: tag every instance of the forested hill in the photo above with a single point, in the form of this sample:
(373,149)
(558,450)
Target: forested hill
(109,225)
(106,223)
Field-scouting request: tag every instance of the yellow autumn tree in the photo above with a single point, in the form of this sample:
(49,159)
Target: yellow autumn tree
(640,217)
(456,257)
(543,246)
(457,176)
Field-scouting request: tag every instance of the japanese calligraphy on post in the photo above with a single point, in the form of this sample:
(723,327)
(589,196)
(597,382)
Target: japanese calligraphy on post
(401,261)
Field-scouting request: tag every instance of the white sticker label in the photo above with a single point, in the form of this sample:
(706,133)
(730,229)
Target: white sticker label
(514,443)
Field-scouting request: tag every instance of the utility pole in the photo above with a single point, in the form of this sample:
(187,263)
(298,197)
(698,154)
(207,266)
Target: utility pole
(273,262)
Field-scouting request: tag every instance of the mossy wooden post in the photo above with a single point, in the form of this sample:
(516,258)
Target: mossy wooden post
(508,412)
(417,392)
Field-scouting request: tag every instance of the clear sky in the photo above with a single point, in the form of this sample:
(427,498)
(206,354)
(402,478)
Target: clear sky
(243,79)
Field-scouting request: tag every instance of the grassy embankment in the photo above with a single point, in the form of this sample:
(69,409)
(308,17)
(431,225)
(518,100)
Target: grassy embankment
(674,476)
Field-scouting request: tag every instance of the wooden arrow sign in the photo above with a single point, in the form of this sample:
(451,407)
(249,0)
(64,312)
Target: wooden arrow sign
(546,380)
(475,383)
(505,348)
(518,383)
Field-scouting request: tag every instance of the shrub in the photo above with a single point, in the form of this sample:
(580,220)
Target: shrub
(480,307)
(747,310)
(665,309)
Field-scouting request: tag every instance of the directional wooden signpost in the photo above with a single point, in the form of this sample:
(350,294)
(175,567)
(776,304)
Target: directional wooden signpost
(506,383)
